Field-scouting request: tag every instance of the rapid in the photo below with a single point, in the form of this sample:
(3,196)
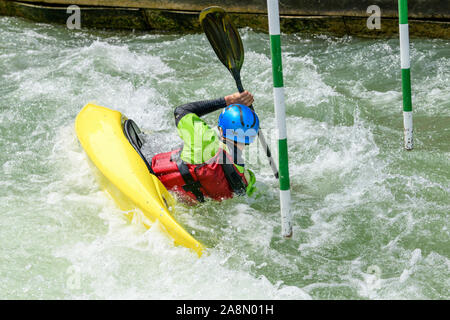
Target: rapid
(371,220)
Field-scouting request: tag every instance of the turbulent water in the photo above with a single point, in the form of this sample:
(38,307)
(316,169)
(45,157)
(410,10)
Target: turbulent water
(371,221)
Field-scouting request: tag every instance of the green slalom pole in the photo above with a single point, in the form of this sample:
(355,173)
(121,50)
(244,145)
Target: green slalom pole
(406,73)
(278,93)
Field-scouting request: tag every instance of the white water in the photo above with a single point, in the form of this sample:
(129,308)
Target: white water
(370,219)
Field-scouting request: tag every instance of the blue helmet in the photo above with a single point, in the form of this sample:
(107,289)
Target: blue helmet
(239,123)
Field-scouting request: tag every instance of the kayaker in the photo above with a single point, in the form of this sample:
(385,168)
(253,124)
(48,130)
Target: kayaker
(210,163)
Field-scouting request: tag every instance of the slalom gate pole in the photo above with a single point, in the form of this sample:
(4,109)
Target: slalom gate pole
(406,73)
(278,93)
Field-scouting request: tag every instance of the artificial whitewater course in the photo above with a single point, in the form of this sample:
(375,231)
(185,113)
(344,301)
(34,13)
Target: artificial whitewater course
(370,219)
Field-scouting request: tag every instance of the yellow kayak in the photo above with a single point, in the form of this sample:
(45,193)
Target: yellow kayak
(125,174)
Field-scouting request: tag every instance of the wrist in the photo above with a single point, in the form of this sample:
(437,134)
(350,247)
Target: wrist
(229,100)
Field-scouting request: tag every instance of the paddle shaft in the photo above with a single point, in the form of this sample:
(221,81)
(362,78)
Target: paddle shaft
(227,44)
(261,137)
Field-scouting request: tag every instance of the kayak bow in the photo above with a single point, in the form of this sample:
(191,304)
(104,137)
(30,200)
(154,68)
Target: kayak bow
(125,175)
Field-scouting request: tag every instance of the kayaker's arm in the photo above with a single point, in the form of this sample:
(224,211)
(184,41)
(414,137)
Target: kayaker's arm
(201,108)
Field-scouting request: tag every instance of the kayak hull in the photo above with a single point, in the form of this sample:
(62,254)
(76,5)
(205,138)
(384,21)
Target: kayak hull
(124,174)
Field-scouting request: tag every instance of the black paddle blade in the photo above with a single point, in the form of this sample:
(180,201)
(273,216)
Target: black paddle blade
(224,38)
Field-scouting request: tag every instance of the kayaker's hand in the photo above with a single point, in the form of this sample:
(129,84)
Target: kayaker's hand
(245,98)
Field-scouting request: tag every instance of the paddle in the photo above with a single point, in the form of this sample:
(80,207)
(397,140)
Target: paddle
(227,44)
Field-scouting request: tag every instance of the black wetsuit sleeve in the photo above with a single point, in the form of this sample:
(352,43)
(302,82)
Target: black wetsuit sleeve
(200,108)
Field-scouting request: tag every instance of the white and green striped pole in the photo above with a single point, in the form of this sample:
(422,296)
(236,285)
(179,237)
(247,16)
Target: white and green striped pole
(278,93)
(406,73)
